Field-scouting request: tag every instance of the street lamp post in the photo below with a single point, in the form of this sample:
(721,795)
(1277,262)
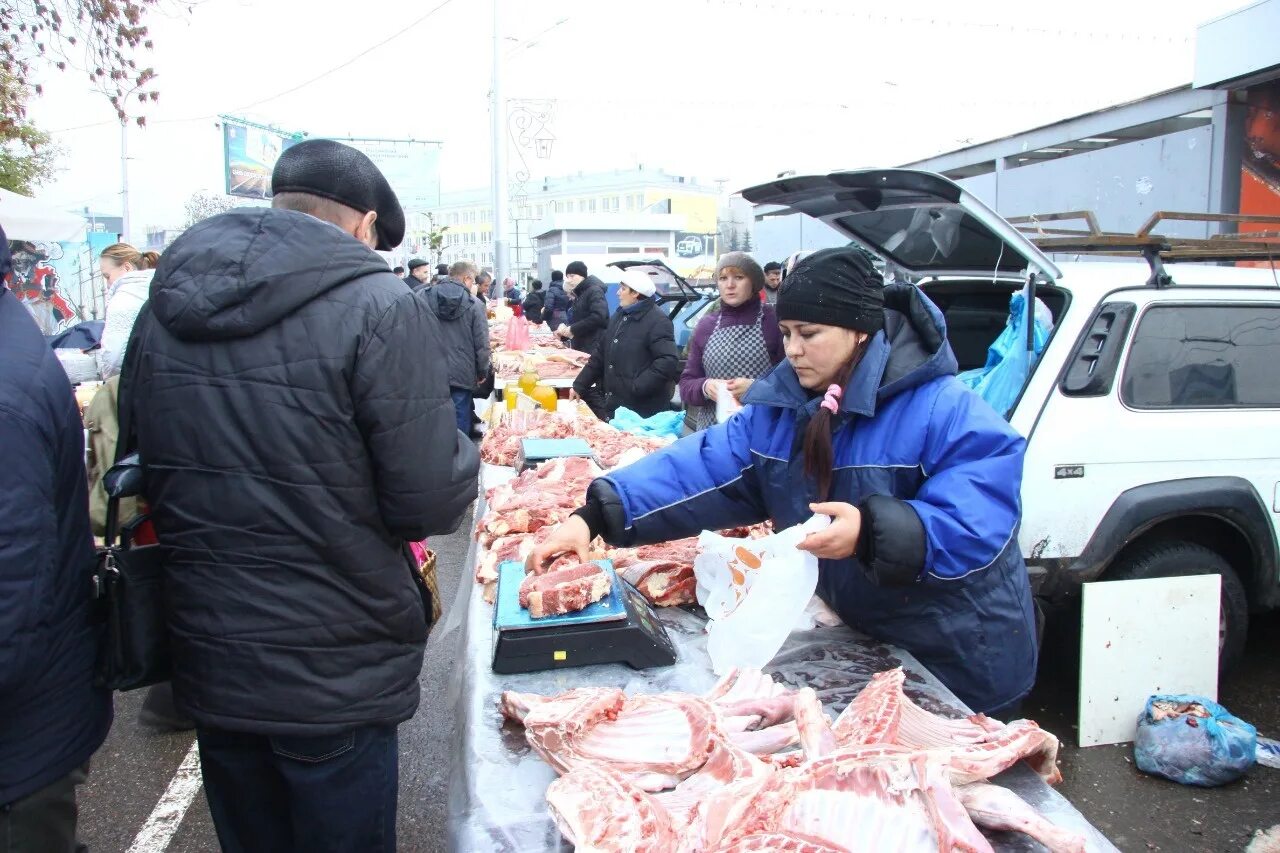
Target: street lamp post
(498,154)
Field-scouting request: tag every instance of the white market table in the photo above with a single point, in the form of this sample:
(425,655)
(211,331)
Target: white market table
(497,783)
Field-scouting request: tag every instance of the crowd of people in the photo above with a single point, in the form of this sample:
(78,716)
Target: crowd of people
(305,419)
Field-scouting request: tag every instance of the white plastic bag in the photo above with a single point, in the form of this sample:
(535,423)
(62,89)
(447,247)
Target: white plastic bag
(726,404)
(755,592)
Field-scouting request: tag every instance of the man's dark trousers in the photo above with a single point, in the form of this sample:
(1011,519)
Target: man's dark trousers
(463,407)
(320,794)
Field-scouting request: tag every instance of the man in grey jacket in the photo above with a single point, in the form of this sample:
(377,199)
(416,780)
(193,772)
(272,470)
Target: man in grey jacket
(464,336)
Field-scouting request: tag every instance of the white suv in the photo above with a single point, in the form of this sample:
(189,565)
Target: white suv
(1152,414)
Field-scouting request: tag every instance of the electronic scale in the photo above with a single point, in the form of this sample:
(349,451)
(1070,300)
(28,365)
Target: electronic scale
(535,451)
(619,628)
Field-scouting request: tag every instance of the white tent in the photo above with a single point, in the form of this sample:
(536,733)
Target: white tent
(25,218)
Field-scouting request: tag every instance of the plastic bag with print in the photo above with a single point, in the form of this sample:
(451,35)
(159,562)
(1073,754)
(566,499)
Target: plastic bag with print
(755,592)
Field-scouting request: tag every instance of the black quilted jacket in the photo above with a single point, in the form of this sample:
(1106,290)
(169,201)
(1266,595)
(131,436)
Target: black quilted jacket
(296,433)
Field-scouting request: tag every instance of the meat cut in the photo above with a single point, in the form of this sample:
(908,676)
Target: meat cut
(598,808)
(564,590)
(501,444)
(677,772)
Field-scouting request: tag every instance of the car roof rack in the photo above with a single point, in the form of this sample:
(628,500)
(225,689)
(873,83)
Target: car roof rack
(1156,249)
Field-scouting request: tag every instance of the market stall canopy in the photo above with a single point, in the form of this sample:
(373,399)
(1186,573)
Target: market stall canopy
(25,218)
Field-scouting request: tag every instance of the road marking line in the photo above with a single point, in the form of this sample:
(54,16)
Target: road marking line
(166,817)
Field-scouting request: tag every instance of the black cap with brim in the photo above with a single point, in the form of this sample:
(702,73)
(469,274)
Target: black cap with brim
(329,169)
(417,262)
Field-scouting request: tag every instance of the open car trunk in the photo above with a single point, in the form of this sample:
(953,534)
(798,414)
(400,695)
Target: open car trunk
(967,259)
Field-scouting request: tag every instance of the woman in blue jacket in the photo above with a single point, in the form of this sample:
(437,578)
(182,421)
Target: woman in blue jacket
(864,422)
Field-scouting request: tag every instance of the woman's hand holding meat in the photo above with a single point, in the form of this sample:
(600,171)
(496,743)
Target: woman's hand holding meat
(571,537)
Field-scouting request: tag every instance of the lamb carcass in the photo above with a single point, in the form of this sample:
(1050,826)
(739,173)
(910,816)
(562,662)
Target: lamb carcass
(898,801)
(599,809)
(999,808)
(657,740)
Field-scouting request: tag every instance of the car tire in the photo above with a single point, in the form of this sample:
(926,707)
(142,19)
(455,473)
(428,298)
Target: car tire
(1180,559)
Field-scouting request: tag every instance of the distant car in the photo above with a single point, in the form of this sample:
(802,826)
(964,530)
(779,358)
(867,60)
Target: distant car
(690,247)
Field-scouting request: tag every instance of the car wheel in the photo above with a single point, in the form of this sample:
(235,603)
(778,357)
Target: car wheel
(1179,559)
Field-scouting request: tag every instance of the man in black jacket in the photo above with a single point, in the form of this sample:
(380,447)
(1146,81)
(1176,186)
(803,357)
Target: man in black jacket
(534,301)
(463,340)
(419,274)
(555,308)
(297,433)
(636,363)
(590,311)
(52,718)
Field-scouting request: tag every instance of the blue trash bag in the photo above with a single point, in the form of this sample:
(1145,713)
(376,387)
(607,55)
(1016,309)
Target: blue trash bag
(1000,380)
(661,425)
(1194,741)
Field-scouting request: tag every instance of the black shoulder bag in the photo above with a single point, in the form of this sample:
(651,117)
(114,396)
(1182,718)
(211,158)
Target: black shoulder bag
(128,580)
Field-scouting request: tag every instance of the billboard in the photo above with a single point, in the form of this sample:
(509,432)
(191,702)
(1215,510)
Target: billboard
(1260,166)
(250,153)
(412,167)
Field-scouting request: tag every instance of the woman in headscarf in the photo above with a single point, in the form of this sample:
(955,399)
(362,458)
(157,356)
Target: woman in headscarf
(865,423)
(732,346)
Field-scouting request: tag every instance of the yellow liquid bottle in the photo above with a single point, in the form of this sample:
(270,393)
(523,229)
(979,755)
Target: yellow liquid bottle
(528,381)
(546,396)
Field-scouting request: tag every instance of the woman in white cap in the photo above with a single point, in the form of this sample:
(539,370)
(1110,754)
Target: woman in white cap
(635,363)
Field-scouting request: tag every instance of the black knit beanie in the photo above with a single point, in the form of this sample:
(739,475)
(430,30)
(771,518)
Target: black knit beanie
(746,263)
(834,287)
(556,275)
(576,268)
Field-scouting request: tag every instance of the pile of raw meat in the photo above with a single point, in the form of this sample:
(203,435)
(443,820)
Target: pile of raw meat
(524,511)
(719,773)
(501,445)
(547,361)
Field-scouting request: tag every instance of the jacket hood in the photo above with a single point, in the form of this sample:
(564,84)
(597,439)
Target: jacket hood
(237,273)
(911,350)
(449,299)
(136,281)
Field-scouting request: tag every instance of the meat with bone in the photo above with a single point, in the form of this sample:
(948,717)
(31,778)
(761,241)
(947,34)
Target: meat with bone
(564,591)
(834,796)
(891,802)
(664,735)
(999,808)
(599,809)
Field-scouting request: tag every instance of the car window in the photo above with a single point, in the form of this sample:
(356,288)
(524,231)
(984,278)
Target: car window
(1203,357)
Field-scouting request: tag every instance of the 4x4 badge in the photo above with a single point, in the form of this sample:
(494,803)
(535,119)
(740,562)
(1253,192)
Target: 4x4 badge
(1068,472)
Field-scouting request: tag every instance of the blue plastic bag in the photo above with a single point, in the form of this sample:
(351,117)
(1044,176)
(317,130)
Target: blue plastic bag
(661,425)
(1194,741)
(1000,380)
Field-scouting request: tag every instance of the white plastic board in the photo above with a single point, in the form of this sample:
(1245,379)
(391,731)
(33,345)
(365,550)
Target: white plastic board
(1139,638)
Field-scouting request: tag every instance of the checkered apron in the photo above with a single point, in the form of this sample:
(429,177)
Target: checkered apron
(731,351)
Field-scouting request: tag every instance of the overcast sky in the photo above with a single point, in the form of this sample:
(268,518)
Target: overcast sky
(737,90)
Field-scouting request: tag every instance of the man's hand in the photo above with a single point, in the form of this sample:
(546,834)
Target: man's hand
(839,540)
(738,387)
(564,332)
(571,537)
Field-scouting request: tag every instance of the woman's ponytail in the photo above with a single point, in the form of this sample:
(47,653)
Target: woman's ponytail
(818,454)
(122,253)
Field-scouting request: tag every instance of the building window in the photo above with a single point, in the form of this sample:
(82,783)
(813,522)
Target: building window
(624,250)
(656,250)
(582,205)
(537,212)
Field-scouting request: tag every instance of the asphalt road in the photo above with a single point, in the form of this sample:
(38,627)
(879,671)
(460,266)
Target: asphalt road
(134,768)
